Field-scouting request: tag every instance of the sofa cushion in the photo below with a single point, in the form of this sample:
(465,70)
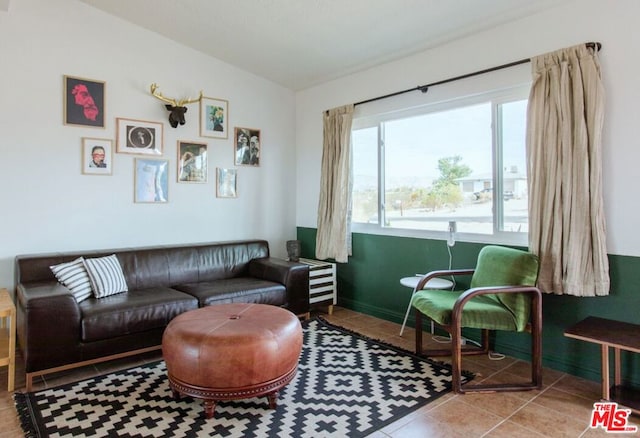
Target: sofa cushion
(132,312)
(73,275)
(106,276)
(236,290)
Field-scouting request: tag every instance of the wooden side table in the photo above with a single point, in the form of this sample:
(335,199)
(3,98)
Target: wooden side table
(8,336)
(620,336)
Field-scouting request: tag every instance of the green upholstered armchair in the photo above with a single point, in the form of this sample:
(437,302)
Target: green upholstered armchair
(502,296)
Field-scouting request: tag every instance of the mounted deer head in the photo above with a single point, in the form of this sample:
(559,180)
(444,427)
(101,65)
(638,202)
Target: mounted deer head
(177,108)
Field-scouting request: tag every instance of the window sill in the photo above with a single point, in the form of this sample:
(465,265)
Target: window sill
(514,239)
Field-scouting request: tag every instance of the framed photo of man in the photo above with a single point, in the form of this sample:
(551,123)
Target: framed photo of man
(139,137)
(247,147)
(84,102)
(97,156)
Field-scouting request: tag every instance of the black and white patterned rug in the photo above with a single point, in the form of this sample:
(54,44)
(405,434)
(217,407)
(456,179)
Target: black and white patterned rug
(346,386)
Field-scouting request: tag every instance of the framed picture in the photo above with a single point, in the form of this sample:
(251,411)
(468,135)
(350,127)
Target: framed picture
(83,102)
(97,156)
(151,180)
(192,162)
(214,117)
(247,147)
(139,137)
(226,183)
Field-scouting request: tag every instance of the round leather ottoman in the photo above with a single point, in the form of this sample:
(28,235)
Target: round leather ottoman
(232,351)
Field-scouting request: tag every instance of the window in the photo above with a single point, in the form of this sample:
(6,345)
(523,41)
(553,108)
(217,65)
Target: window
(462,160)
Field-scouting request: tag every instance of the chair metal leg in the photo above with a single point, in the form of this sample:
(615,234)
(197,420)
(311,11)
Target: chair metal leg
(406,315)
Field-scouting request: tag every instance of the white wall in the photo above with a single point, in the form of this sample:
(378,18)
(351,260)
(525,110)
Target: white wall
(48,205)
(610,23)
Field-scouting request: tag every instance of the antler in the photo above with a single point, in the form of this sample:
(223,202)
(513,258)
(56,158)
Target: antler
(154,92)
(186,101)
(173,102)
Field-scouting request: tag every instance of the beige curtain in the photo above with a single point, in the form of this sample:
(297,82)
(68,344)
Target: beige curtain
(333,239)
(564,131)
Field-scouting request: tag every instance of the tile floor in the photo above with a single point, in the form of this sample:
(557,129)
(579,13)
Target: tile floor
(561,409)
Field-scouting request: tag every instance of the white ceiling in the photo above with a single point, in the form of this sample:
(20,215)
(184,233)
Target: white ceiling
(301,43)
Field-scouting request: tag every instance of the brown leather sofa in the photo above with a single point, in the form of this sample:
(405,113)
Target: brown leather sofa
(55,332)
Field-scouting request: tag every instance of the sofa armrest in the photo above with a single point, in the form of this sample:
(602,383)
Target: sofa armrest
(48,325)
(294,276)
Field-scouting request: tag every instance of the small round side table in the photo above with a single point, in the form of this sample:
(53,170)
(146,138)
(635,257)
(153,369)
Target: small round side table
(412,282)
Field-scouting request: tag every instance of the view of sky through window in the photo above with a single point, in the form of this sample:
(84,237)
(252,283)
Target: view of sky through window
(419,194)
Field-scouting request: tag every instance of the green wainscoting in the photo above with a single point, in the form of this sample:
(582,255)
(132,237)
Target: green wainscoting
(369,283)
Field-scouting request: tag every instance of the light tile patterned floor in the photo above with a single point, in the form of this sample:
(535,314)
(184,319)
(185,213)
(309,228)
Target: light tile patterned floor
(561,409)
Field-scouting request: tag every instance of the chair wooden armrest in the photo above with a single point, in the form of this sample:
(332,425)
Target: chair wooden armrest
(534,327)
(467,295)
(476,291)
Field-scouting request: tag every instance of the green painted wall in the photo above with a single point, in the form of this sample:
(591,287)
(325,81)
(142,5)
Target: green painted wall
(369,283)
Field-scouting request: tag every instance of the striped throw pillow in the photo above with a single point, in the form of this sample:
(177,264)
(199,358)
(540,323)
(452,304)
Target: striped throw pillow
(74,277)
(106,276)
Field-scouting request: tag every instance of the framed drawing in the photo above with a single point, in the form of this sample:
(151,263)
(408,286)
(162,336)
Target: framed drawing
(83,102)
(214,117)
(192,162)
(97,156)
(226,183)
(151,180)
(247,147)
(139,137)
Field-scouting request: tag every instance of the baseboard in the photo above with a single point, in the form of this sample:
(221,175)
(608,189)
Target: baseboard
(378,312)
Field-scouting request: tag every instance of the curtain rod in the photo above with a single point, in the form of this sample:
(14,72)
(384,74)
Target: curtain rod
(424,88)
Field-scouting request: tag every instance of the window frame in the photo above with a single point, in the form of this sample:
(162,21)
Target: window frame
(496,97)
